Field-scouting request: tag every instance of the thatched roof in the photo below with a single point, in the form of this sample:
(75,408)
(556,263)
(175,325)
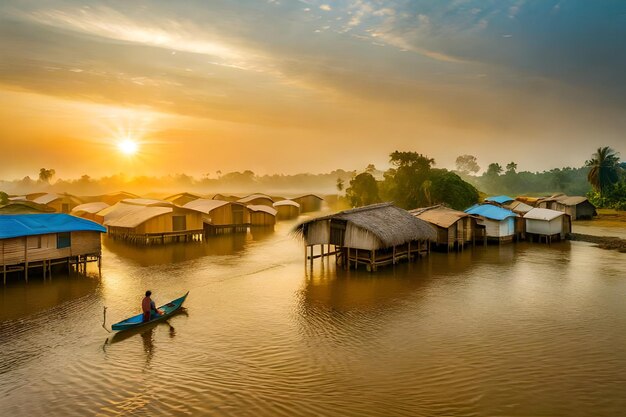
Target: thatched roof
(439,215)
(390,224)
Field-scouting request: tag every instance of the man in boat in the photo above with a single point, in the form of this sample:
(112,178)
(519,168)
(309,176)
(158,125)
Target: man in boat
(149,308)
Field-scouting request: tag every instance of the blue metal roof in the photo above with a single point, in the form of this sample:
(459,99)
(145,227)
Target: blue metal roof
(490,211)
(17,225)
(500,199)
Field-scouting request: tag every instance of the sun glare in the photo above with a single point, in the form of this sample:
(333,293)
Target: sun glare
(128,147)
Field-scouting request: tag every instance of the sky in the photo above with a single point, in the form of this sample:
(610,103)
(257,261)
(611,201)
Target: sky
(277,86)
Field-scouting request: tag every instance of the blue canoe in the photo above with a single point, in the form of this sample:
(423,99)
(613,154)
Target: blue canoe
(136,321)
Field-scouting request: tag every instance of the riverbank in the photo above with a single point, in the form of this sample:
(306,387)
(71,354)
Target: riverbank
(604,242)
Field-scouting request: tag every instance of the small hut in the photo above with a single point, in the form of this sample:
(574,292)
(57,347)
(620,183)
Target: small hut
(90,211)
(287,209)
(262,215)
(375,235)
(61,203)
(309,202)
(576,206)
(257,200)
(181,199)
(41,240)
(499,222)
(221,216)
(24,207)
(454,228)
(547,224)
(148,221)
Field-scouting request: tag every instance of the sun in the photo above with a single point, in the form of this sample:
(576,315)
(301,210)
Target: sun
(128,147)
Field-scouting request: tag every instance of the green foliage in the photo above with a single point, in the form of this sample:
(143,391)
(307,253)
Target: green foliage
(45,175)
(493,170)
(604,169)
(339,184)
(448,188)
(614,196)
(363,190)
(571,181)
(467,164)
(4,198)
(404,184)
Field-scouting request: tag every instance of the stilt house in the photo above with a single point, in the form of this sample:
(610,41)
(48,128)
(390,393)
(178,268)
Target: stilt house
(41,240)
(221,216)
(547,224)
(146,221)
(499,222)
(375,235)
(454,228)
(309,202)
(287,209)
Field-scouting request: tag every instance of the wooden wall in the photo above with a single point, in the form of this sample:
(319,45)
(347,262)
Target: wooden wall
(309,203)
(164,222)
(261,218)
(224,215)
(44,247)
(287,212)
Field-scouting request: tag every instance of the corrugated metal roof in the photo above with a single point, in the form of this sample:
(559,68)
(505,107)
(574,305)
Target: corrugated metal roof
(439,215)
(205,206)
(39,224)
(136,217)
(46,198)
(519,207)
(500,199)
(254,197)
(490,211)
(309,195)
(90,207)
(572,201)
(286,203)
(266,209)
(543,214)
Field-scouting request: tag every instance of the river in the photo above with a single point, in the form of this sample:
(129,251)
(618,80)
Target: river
(517,330)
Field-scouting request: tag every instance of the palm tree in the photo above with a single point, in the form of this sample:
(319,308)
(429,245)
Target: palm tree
(604,170)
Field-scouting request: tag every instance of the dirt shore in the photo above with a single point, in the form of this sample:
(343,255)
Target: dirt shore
(604,242)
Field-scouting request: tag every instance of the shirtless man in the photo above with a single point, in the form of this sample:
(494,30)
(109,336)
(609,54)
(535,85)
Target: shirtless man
(148,307)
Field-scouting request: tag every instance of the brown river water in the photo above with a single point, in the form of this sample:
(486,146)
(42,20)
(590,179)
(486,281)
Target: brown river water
(516,330)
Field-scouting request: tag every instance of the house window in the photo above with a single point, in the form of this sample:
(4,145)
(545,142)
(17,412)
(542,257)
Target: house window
(179,223)
(64,240)
(34,242)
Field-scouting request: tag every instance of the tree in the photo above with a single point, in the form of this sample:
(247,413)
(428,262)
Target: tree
(45,175)
(494,169)
(363,190)
(604,172)
(340,185)
(511,168)
(4,197)
(466,164)
(370,169)
(450,189)
(404,182)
